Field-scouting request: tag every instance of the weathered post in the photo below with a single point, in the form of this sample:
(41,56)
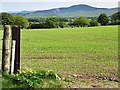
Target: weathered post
(6,49)
(16,38)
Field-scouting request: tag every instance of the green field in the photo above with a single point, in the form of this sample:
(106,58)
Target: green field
(86,53)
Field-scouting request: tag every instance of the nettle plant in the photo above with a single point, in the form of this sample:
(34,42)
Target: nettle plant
(35,79)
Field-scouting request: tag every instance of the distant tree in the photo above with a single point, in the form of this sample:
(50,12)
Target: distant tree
(63,24)
(71,24)
(21,22)
(115,18)
(52,22)
(7,19)
(35,19)
(37,25)
(81,21)
(94,23)
(63,20)
(103,19)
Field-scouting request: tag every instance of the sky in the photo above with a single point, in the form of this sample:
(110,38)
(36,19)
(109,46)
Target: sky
(20,5)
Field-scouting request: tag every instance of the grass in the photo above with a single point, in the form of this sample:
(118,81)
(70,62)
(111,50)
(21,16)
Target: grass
(87,52)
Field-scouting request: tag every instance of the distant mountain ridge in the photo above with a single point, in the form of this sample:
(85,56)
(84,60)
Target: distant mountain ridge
(72,11)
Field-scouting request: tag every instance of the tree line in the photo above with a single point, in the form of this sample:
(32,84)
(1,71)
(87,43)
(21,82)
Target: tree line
(8,19)
(56,22)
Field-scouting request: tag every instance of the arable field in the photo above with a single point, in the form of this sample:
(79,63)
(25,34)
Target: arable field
(88,56)
(88,53)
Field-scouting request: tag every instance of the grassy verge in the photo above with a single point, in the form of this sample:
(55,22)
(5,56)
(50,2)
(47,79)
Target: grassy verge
(32,79)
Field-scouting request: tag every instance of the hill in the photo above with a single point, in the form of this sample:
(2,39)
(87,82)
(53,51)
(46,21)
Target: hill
(73,11)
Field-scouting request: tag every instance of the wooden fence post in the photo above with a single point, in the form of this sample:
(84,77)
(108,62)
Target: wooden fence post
(6,49)
(16,38)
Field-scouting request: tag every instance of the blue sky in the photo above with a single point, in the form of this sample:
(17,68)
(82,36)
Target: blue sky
(12,5)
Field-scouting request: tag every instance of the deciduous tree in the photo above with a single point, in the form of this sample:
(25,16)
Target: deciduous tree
(103,19)
(115,18)
(21,22)
(7,19)
(81,21)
